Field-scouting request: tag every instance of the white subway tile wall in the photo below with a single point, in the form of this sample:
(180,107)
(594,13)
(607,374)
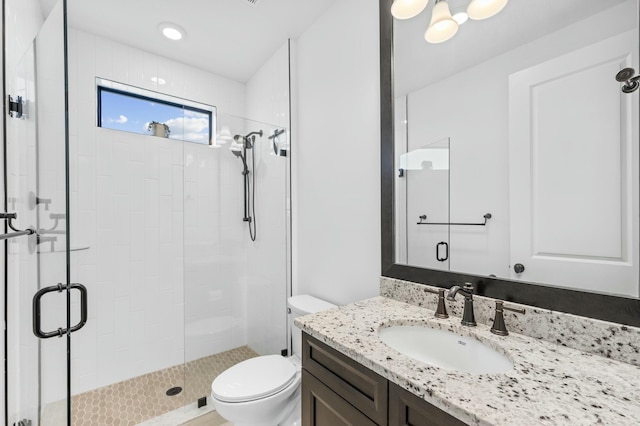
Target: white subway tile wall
(142,203)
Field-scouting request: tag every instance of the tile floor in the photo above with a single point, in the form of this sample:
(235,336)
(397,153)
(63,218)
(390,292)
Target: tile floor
(209,419)
(143,398)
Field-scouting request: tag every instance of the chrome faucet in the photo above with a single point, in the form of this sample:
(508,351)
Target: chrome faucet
(468,318)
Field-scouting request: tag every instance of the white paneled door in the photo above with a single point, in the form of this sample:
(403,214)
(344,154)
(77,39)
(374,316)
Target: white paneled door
(573,164)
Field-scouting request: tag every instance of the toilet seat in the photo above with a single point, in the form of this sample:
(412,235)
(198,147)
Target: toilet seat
(253,379)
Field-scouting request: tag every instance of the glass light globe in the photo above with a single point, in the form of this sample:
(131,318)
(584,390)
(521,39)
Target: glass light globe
(483,9)
(406,9)
(442,26)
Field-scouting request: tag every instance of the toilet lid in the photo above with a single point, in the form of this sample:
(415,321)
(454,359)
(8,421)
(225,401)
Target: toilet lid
(253,379)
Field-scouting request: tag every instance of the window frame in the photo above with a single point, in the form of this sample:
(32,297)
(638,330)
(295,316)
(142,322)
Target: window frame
(103,85)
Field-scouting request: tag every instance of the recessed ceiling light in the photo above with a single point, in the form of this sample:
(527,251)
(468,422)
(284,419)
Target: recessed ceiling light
(159,81)
(171,31)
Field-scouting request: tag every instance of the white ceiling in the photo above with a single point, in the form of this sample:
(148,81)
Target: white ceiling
(231,38)
(418,63)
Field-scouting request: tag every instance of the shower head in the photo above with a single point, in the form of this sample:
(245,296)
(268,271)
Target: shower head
(243,141)
(259,133)
(237,148)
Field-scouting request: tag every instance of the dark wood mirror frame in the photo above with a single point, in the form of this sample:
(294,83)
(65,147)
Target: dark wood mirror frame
(600,306)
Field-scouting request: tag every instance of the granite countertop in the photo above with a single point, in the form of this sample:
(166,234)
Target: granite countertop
(549,384)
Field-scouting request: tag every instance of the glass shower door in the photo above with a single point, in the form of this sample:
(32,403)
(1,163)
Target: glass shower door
(426,179)
(41,306)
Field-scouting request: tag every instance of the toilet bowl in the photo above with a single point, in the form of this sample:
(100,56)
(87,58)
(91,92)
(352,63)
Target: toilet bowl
(265,391)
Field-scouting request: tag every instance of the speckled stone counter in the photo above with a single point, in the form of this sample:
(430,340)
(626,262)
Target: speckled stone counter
(611,340)
(549,384)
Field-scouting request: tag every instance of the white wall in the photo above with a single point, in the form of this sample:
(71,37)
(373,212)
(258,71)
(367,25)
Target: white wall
(478,128)
(267,92)
(336,160)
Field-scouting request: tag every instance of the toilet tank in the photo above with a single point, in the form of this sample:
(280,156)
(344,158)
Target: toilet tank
(300,305)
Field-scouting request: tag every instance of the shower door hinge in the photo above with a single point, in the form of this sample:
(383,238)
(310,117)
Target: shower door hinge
(16,107)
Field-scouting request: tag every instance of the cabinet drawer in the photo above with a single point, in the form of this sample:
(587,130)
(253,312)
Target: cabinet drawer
(322,407)
(406,409)
(364,389)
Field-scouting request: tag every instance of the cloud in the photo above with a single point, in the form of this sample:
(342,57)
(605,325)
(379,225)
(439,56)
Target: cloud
(122,119)
(189,128)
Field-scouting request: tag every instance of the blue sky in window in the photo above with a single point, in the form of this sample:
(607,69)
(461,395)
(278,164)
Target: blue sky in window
(132,114)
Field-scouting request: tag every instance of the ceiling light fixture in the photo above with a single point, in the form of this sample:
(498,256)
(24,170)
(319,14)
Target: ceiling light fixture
(483,9)
(461,17)
(171,31)
(442,26)
(406,9)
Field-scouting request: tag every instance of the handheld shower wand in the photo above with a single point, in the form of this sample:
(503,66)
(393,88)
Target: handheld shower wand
(239,149)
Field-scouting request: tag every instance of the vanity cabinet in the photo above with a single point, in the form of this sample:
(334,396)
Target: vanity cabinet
(336,390)
(322,406)
(407,409)
(349,381)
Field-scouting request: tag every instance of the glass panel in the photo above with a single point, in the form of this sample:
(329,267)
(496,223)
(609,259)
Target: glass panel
(173,274)
(427,175)
(235,288)
(127,205)
(36,191)
(422,192)
(23,347)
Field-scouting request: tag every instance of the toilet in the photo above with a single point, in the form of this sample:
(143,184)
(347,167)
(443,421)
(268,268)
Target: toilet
(265,391)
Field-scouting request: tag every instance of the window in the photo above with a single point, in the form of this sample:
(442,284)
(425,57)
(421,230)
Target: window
(136,110)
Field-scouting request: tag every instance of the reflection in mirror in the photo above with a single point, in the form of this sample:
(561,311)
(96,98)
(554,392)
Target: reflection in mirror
(543,137)
(425,186)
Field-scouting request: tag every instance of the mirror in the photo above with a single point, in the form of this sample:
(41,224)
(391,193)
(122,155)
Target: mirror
(542,184)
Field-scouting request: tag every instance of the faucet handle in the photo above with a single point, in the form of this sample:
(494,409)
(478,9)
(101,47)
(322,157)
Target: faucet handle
(468,287)
(441,310)
(499,327)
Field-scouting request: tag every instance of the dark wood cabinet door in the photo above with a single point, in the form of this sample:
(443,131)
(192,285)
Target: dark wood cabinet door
(323,407)
(363,388)
(406,409)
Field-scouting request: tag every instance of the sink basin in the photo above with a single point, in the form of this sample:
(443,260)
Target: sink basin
(445,349)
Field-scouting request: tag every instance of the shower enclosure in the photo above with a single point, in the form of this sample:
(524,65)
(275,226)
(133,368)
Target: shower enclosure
(153,228)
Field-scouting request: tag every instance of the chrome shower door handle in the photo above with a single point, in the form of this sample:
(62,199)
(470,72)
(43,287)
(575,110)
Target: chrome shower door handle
(37,310)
